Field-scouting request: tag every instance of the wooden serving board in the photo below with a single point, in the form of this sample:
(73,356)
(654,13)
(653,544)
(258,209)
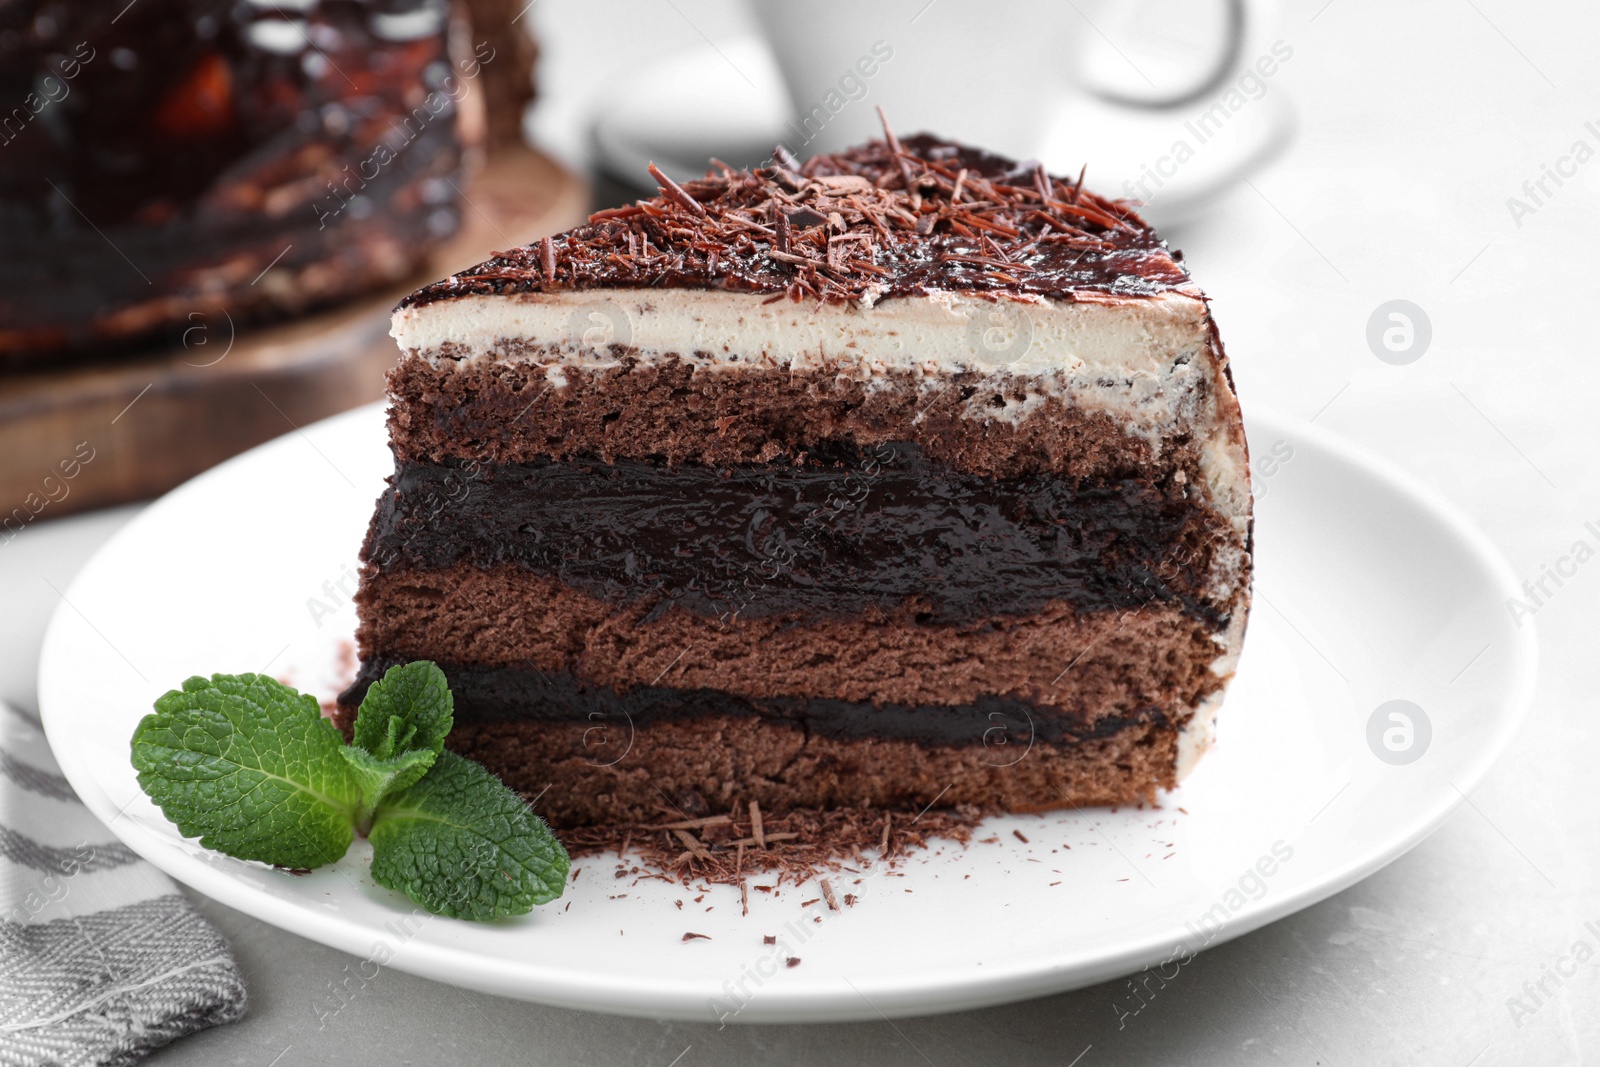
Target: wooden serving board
(128,430)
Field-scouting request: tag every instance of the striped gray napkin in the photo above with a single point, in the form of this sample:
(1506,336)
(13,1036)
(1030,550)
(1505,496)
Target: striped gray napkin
(101,958)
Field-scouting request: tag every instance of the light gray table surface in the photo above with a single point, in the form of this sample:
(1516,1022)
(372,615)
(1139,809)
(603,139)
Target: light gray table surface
(1419,121)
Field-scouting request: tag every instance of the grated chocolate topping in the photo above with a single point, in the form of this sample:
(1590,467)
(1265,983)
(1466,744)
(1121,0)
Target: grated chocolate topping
(789,847)
(883,219)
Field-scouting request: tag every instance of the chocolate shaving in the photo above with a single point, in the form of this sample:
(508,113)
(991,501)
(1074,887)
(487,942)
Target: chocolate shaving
(547,260)
(692,824)
(806,218)
(827,894)
(693,845)
(780,229)
(896,148)
(696,937)
(800,845)
(674,192)
(1041,182)
(842,183)
(768,838)
(789,257)
(914,212)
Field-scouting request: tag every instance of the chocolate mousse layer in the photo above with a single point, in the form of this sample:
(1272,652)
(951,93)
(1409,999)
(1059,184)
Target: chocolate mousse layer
(833,531)
(527,694)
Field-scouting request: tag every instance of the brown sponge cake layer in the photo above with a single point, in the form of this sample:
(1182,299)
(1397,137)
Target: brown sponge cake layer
(1080,664)
(507,411)
(585,775)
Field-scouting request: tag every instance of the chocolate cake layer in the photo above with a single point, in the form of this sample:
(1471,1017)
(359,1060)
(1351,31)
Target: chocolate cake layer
(585,774)
(1082,665)
(508,412)
(836,530)
(529,695)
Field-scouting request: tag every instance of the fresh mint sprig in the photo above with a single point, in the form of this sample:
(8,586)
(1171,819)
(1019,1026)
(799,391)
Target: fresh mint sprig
(399,731)
(461,844)
(251,768)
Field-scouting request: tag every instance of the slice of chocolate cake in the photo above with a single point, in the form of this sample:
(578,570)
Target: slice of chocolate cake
(902,477)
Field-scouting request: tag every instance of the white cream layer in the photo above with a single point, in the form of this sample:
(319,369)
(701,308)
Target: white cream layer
(1135,342)
(941,332)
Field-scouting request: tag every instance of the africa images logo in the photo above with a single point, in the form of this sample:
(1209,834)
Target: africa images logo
(999,334)
(599,326)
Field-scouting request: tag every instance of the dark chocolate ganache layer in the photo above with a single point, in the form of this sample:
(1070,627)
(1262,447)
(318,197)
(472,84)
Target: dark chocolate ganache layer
(838,530)
(1004,725)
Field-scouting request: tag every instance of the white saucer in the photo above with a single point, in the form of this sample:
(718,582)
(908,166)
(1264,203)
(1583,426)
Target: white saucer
(1369,589)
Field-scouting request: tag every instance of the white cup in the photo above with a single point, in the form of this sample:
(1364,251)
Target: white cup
(992,74)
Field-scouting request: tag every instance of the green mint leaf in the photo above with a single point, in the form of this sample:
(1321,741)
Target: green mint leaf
(461,844)
(380,777)
(251,768)
(410,707)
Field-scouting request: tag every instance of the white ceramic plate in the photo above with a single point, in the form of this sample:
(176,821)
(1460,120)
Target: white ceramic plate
(1369,589)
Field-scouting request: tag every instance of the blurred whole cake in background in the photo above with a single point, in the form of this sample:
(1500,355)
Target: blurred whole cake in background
(171,157)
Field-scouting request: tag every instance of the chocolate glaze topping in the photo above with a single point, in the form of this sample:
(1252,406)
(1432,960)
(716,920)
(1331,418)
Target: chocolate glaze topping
(839,531)
(887,218)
